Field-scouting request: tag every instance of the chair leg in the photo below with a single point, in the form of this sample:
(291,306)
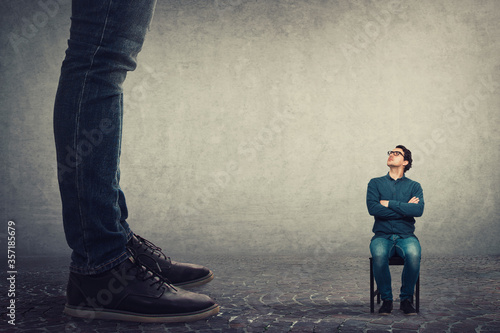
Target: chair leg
(417,295)
(372,287)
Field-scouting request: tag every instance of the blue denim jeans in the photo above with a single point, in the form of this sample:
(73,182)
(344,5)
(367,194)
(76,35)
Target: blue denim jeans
(408,249)
(105,38)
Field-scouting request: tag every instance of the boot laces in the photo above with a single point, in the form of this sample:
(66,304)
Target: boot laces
(144,272)
(153,248)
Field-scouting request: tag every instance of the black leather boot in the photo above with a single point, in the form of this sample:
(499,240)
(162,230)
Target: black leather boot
(407,307)
(386,308)
(131,292)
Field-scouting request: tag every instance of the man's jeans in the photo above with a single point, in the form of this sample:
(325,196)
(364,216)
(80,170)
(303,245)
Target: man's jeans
(105,38)
(408,249)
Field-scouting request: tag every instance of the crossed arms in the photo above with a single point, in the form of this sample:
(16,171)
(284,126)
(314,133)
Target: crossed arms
(393,209)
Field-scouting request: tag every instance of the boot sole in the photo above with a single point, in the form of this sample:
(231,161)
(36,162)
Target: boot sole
(90,314)
(409,313)
(196,283)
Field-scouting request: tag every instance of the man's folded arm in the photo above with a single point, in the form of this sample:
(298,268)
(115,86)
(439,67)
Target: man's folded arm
(410,209)
(374,206)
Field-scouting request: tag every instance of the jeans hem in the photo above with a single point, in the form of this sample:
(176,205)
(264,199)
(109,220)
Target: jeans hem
(101,268)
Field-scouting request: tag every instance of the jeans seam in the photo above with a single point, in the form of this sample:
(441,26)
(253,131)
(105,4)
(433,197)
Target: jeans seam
(403,251)
(77,132)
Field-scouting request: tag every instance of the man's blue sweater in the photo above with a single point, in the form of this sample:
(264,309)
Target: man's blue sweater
(399,217)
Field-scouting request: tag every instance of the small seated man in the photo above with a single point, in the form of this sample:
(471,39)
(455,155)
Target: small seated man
(395,201)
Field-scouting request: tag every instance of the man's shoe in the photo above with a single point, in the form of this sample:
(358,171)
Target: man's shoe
(407,307)
(131,292)
(386,308)
(179,274)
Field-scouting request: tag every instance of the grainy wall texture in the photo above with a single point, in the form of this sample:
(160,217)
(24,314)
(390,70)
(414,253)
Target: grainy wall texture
(254,126)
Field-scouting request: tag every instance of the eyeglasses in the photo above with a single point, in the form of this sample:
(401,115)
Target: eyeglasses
(395,153)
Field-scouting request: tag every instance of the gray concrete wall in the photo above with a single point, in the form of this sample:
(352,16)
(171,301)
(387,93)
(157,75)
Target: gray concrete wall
(254,126)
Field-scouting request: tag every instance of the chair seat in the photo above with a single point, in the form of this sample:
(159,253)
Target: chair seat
(396,260)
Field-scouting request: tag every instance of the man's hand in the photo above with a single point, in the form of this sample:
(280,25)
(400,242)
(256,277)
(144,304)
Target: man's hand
(385,203)
(414,200)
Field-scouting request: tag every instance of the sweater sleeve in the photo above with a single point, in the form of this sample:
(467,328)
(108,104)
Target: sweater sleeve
(410,209)
(374,206)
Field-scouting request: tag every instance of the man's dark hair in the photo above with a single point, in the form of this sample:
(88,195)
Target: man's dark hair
(407,157)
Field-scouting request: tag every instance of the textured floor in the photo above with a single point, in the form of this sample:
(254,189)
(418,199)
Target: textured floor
(322,293)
